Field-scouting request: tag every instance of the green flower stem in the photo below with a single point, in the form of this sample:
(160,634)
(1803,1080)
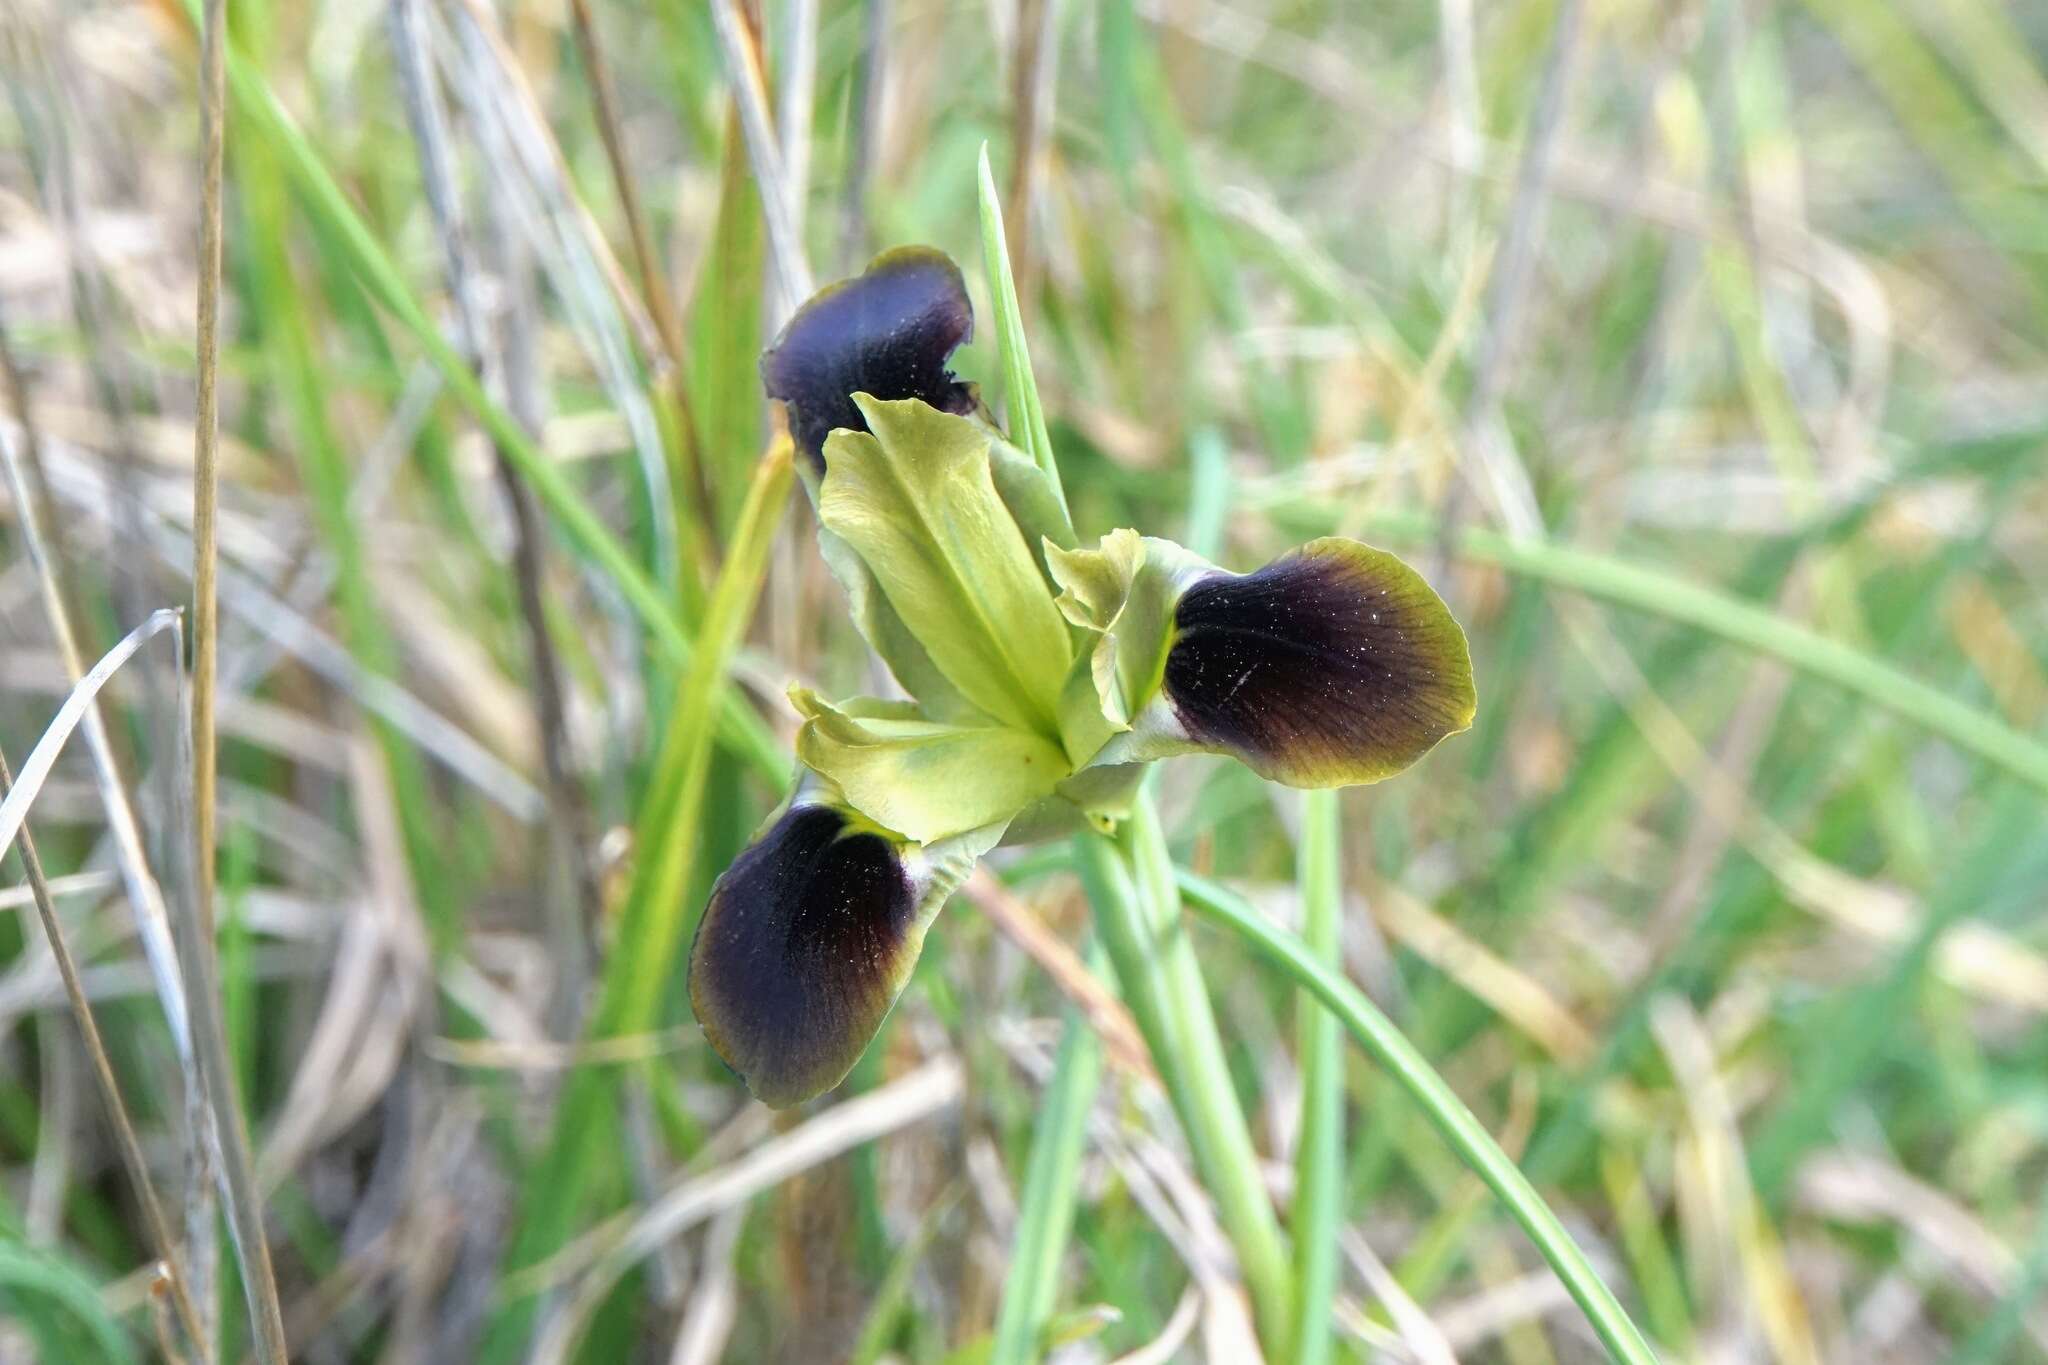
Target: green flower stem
(1061,1134)
(1131,885)
(1047,1203)
(1319,1158)
(1466,1135)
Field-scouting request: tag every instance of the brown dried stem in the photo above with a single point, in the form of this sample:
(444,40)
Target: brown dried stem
(103,1072)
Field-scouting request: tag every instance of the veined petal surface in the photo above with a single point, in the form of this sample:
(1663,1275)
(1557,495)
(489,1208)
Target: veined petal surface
(808,939)
(922,778)
(916,500)
(1334,665)
(889,331)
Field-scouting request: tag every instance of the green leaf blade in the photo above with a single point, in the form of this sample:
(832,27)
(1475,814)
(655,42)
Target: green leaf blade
(1027,415)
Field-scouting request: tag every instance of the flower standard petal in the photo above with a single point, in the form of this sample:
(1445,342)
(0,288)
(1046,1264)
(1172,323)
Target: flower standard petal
(916,499)
(1123,592)
(888,331)
(808,939)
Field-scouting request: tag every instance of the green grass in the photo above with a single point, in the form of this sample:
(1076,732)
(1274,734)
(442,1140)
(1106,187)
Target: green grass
(1774,378)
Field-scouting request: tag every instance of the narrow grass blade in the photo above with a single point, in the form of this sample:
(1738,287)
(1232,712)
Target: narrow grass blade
(35,769)
(60,1303)
(135,1165)
(1319,1157)
(326,201)
(795,102)
(206,446)
(145,896)
(1027,414)
(725,338)
(1446,1112)
(738,44)
(234,1167)
(656,919)
(1046,1203)
(297,374)
(1756,627)
(200,992)
(654,285)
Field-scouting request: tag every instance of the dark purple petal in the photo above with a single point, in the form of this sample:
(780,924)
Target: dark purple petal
(808,938)
(888,332)
(1334,665)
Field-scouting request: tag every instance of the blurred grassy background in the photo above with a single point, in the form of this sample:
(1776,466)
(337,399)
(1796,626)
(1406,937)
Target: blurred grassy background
(1746,968)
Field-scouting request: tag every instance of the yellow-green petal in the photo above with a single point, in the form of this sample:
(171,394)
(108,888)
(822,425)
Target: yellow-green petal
(924,779)
(916,501)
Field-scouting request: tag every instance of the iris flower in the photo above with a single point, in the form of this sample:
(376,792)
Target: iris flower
(1043,675)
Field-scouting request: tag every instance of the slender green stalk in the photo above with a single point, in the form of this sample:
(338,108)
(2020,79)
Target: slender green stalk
(1137,912)
(1319,1158)
(1046,1205)
(1465,1134)
(1131,885)
(655,921)
(1048,1202)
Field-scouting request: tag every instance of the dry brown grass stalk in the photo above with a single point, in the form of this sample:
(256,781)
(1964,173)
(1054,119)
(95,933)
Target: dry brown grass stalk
(132,1161)
(259,1281)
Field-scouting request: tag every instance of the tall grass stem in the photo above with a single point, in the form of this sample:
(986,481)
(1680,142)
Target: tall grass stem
(1046,1203)
(133,1163)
